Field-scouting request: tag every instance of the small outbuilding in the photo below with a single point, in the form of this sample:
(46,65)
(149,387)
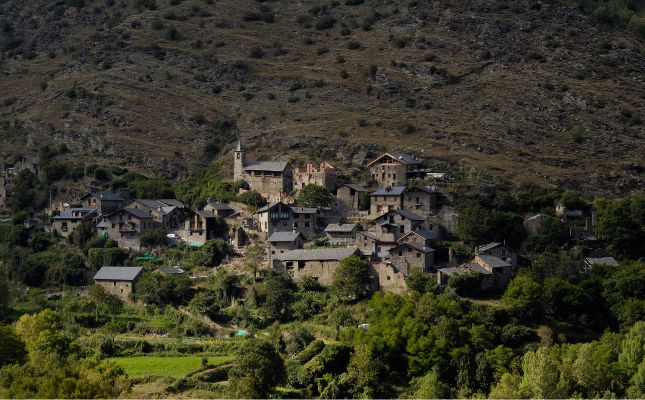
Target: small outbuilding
(118,281)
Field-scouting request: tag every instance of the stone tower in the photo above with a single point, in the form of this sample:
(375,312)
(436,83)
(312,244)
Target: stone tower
(238,162)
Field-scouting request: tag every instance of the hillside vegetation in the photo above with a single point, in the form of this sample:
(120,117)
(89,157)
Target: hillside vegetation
(529,90)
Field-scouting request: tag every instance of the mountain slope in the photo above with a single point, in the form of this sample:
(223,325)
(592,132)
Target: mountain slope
(521,89)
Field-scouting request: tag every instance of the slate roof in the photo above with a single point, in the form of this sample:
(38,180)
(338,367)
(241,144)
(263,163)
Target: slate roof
(340,228)
(368,235)
(107,196)
(355,186)
(282,237)
(427,189)
(401,157)
(125,274)
(393,191)
(610,261)
(136,212)
(304,210)
(171,270)
(272,166)
(487,247)
(173,203)
(404,213)
(103,224)
(494,262)
(69,214)
(421,232)
(267,207)
(416,246)
(322,254)
(205,214)
(218,205)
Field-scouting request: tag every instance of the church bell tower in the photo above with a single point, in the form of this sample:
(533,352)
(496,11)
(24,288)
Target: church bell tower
(238,162)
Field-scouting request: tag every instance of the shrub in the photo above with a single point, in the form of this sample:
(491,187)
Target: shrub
(325,23)
(172,33)
(256,52)
(353,45)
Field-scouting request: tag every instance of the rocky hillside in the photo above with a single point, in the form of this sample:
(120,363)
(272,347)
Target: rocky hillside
(522,89)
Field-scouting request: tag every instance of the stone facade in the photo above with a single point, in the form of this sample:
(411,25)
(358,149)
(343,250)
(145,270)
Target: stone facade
(406,256)
(102,202)
(167,214)
(319,264)
(348,198)
(324,175)
(499,250)
(272,179)
(420,199)
(274,217)
(118,281)
(126,223)
(65,223)
(122,290)
(389,278)
(392,169)
(199,227)
(385,200)
(305,221)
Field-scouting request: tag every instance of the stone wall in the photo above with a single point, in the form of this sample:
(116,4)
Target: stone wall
(389,174)
(121,290)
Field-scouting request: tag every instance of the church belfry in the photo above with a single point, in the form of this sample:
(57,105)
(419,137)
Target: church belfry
(238,162)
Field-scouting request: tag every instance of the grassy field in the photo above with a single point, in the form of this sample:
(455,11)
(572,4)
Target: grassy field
(165,366)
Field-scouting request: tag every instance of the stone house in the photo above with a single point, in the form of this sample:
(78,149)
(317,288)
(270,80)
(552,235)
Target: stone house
(500,250)
(219,209)
(341,233)
(324,175)
(348,197)
(21,163)
(319,264)
(591,262)
(274,217)
(408,255)
(399,222)
(199,227)
(421,199)
(279,242)
(419,236)
(65,223)
(102,202)
(272,179)
(125,223)
(167,214)
(393,169)
(118,281)
(386,199)
(305,220)
(495,272)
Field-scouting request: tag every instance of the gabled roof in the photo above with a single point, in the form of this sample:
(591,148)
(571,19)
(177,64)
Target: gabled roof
(271,166)
(423,233)
(389,191)
(284,237)
(218,205)
(135,212)
(82,213)
(205,214)
(424,188)
(404,213)
(416,246)
(355,186)
(610,261)
(322,254)
(368,235)
(173,203)
(304,210)
(399,157)
(488,246)
(268,207)
(125,274)
(494,262)
(340,228)
(107,196)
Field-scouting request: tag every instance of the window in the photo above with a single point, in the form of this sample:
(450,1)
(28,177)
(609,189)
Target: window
(114,283)
(400,254)
(307,224)
(121,290)
(272,251)
(402,229)
(295,224)
(418,255)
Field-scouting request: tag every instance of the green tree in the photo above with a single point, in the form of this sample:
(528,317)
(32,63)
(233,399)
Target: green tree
(363,373)
(279,297)
(314,196)
(211,253)
(253,257)
(12,349)
(351,280)
(257,370)
(206,302)
(104,302)
(466,284)
(508,387)
(154,238)
(252,199)
(550,236)
(161,289)
(4,291)
(420,281)
(563,299)
(541,374)
(85,231)
(619,224)
(429,387)
(523,296)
